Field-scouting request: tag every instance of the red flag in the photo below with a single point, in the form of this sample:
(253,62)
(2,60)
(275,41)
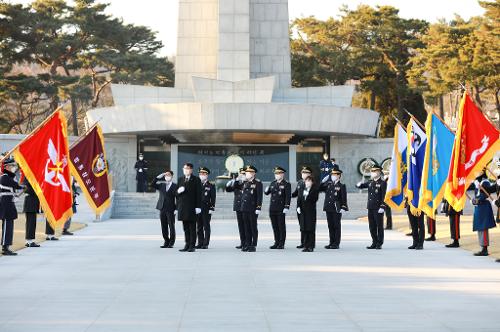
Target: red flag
(43,158)
(476,141)
(90,168)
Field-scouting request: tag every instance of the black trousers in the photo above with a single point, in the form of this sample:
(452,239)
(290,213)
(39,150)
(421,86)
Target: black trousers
(455,226)
(376,225)
(241,226)
(431,226)
(167,220)
(141,185)
(7,232)
(30,225)
(388,216)
(279,228)
(48,229)
(251,231)
(203,228)
(309,239)
(189,233)
(334,228)
(417,228)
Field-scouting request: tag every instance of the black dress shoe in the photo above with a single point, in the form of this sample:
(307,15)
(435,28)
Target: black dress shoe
(244,249)
(280,247)
(191,250)
(328,246)
(307,250)
(300,247)
(431,238)
(204,247)
(170,246)
(498,261)
(454,244)
(164,246)
(483,252)
(412,246)
(183,249)
(198,246)
(239,247)
(8,252)
(274,246)
(408,234)
(334,246)
(419,247)
(66,232)
(371,247)
(34,245)
(252,249)
(378,247)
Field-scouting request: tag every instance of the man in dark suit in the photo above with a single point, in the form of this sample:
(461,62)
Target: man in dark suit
(299,190)
(335,203)
(166,204)
(188,205)
(279,205)
(31,208)
(235,186)
(207,208)
(251,205)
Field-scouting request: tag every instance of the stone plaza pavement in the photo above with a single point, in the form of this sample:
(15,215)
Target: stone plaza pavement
(112,276)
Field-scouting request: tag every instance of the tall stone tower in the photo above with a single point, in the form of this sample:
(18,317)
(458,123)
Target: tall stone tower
(233,40)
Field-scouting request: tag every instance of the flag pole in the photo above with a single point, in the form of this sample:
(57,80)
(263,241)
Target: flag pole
(415,119)
(37,128)
(85,134)
(397,120)
(440,118)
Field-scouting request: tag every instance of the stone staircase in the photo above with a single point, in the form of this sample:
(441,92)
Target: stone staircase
(142,206)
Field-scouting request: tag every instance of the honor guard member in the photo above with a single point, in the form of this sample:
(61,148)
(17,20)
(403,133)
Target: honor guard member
(67,224)
(141,168)
(325,166)
(388,210)
(375,205)
(417,227)
(306,209)
(8,211)
(454,217)
(207,208)
(335,203)
(431,229)
(188,205)
(304,173)
(251,205)
(235,186)
(167,189)
(483,218)
(31,208)
(279,205)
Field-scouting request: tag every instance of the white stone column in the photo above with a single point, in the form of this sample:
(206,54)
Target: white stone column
(292,163)
(174,158)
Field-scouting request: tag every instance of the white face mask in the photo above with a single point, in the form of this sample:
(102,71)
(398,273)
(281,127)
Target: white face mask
(241,177)
(308,184)
(373,175)
(168,178)
(186,172)
(278,177)
(141,158)
(249,175)
(304,176)
(203,177)
(13,169)
(335,178)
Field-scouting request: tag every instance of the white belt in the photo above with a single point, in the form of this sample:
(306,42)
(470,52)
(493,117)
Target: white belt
(7,194)
(6,188)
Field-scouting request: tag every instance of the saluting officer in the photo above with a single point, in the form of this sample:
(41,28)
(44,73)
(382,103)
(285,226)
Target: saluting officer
(31,208)
(281,194)
(335,203)
(375,205)
(251,204)
(305,173)
(167,206)
(454,217)
(207,208)
(188,205)
(8,211)
(235,186)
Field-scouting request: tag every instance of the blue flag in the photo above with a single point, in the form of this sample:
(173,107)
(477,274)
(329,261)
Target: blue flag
(396,184)
(436,164)
(416,152)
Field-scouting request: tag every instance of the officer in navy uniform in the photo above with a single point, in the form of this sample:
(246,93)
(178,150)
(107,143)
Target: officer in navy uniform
(141,168)
(375,205)
(454,217)
(335,203)
(251,205)
(166,188)
(235,186)
(279,205)
(483,218)
(188,205)
(207,208)
(8,211)
(299,190)
(325,166)
(31,208)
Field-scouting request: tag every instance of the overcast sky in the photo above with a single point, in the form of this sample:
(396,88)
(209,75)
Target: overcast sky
(161,15)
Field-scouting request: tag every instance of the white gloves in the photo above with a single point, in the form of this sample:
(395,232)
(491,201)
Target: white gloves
(257,212)
(285,211)
(498,182)
(197,210)
(325,179)
(267,189)
(298,210)
(476,183)
(181,190)
(380,210)
(140,170)
(175,212)
(162,175)
(210,211)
